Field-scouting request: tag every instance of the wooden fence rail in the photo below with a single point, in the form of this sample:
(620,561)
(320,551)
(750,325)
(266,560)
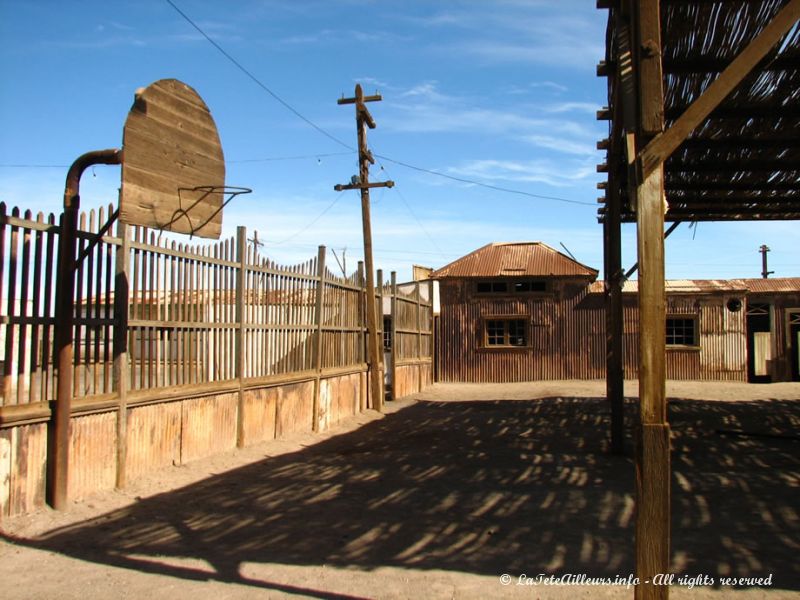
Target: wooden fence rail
(181,350)
(189,314)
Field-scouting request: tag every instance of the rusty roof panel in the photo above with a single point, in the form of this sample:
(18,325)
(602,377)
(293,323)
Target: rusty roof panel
(777,284)
(515,259)
(683,286)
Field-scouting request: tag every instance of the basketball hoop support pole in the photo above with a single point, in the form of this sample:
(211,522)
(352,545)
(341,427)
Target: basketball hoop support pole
(58,428)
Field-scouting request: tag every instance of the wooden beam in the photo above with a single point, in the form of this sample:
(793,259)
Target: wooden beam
(749,110)
(713,64)
(612,267)
(716,165)
(659,149)
(652,464)
(733,203)
(736,186)
(732,143)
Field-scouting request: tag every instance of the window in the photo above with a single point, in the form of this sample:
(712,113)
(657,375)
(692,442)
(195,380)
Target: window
(505,333)
(682,331)
(387,334)
(518,286)
(532,285)
(492,287)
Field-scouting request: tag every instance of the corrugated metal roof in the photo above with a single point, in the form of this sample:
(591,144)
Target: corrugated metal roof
(683,286)
(777,284)
(515,259)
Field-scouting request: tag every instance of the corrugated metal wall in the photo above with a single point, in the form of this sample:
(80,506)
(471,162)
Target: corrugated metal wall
(566,333)
(567,336)
(780,368)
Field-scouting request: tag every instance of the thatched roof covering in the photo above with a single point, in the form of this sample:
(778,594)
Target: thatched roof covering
(743,162)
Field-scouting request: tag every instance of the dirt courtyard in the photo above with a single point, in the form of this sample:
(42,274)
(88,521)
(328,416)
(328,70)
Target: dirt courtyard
(438,498)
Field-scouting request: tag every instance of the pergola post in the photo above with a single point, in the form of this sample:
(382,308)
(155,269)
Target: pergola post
(652,453)
(612,233)
(710,165)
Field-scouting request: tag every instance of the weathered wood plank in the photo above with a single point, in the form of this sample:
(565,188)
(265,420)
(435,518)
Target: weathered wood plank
(171,143)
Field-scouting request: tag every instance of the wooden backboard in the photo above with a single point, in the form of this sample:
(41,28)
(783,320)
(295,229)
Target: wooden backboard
(173,169)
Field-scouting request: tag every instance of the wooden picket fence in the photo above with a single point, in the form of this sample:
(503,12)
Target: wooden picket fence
(191,314)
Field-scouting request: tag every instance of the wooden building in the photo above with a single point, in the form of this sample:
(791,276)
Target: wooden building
(525,312)
(509,312)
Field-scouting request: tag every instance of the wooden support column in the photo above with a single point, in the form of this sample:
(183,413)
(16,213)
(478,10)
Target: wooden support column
(241,291)
(615,375)
(318,334)
(120,367)
(652,456)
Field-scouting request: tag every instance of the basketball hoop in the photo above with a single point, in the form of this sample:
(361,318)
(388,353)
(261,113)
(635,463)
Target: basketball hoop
(202,192)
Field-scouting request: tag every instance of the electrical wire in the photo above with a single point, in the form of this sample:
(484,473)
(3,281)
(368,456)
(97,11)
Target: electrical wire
(481,184)
(309,225)
(300,157)
(410,210)
(308,121)
(257,81)
(34,166)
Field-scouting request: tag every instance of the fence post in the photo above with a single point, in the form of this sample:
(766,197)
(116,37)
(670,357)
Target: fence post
(121,373)
(362,326)
(379,334)
(394,352)
(431,331)
(419,338)
(241,292)
(318,346)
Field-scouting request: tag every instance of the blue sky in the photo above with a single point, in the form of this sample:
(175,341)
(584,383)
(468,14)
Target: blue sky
(500,92)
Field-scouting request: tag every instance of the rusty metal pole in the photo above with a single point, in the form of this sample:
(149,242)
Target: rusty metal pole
(58,429)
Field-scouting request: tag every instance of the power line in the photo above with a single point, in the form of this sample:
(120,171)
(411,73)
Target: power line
(486,185)
(299,157)
(34,166)
(263,86)
(240,161)
(257,81)
(413,214)
(306,227)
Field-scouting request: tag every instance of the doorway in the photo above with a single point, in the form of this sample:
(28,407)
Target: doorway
(794,344)
(759,343)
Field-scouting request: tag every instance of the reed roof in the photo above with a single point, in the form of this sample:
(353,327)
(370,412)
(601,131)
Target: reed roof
(743,162)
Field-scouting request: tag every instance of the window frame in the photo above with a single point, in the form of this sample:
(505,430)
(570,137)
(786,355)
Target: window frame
(694,319)
(507,332)
(509,286)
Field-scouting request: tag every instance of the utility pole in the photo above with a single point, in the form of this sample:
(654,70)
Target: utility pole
(764,272)
(342,263)
(257,243)
(361,182)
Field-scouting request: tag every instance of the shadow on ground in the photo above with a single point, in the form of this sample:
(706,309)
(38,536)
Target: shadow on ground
(484,487)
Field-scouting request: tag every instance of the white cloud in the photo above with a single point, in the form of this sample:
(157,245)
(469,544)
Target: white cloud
(564,107)
(547,171)
(424,108)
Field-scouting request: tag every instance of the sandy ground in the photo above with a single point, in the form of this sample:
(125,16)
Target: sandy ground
(438,498)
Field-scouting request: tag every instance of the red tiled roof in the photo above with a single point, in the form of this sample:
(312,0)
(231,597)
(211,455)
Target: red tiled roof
(515,259)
